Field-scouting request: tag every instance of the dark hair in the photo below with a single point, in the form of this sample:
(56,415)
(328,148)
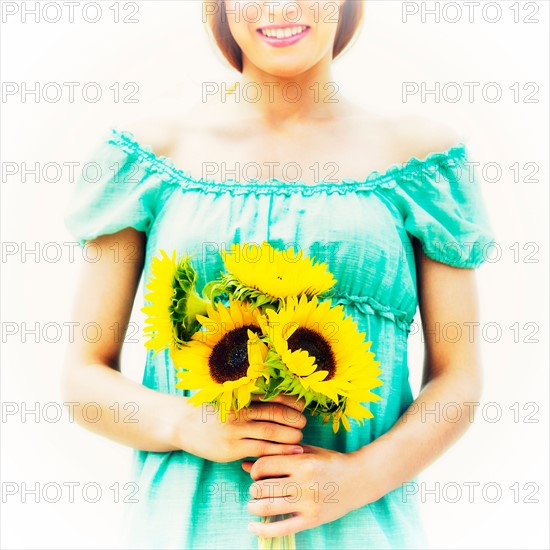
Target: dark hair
(351,15)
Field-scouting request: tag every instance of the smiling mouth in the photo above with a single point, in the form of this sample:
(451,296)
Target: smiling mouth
(282,33)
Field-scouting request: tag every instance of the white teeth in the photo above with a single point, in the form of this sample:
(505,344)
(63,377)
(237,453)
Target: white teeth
(282,33)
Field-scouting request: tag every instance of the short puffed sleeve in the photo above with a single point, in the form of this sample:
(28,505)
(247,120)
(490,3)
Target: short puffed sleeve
(121,184)
(442,206)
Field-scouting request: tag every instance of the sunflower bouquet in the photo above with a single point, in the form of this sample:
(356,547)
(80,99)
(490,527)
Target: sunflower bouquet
(278,334)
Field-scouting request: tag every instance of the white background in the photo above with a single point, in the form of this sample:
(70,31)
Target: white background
(168,55)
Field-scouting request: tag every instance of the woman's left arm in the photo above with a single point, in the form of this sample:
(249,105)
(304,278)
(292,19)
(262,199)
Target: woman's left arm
(452,375)
(323,485)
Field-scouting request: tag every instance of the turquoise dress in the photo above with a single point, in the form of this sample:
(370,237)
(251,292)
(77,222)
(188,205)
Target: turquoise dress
(364,231)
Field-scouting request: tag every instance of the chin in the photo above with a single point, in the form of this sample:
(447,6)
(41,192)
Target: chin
(285,68)
(284,71)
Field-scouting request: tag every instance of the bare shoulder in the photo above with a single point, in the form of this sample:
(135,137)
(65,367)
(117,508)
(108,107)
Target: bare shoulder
(164,133)
(168,135)
(420,136)
(399,138)
(156,132)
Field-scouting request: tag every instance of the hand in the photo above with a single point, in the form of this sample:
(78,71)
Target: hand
(317,487)
(264,428)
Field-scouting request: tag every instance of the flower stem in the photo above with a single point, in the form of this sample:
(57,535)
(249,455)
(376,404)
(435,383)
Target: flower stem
(195,306)
(287,542)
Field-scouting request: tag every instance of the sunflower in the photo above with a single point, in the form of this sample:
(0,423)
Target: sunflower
(350,408)
(264,276)
(317,353)
(225,361)
(174,304)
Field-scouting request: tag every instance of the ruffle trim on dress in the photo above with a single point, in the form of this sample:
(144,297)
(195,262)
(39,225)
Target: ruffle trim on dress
(171,174)
(368,305)
(161,165)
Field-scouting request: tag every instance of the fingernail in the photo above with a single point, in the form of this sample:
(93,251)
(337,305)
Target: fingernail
(297,450)
(252,527)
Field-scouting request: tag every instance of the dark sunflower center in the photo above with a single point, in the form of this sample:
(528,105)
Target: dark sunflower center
(229,358)
(314,343)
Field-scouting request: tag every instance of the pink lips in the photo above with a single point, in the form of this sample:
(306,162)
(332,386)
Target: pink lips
(283,42)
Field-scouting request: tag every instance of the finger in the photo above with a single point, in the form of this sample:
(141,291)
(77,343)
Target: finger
(282,528)
(270,506)
(288,400)
(291,401)
(276,488)
(246,465)
(271,431)
(273,412)
(310,449)
(272,467)
(260,448)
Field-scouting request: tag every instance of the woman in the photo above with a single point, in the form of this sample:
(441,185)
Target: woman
(389,205)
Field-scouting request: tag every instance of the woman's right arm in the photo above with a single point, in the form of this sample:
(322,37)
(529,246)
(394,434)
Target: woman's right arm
(104,296)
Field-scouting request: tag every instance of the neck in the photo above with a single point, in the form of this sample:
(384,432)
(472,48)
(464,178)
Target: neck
(279,101)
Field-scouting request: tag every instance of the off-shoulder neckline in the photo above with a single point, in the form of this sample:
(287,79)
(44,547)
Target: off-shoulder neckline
(376,178)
